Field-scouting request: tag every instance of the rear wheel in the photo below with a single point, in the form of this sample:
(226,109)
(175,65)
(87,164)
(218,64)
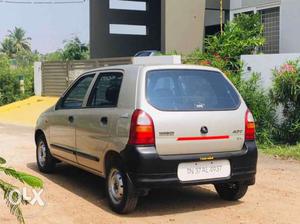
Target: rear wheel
(120,190)
(45,161)
(231,191)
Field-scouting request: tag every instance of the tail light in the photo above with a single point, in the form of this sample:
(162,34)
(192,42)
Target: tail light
(249,127)
(142,129)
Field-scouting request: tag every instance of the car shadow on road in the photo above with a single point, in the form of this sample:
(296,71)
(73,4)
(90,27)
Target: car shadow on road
(159,201)
(179,200)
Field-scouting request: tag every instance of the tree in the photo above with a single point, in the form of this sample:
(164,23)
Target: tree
(241,36)
(53,56)
(7,47)
(10,191)
(19,39)
(26,58)
(74,49)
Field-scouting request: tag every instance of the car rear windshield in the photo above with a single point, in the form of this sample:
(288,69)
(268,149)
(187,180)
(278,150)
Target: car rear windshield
(190,90)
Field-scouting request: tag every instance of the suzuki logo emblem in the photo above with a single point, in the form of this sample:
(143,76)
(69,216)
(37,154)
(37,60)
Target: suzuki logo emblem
(204,130)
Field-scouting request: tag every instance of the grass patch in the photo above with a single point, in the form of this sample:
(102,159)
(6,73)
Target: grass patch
(283,151)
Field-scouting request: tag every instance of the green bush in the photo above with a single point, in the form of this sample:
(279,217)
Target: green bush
(27,73)
(206,59)
(243,35)
(9,81)
(260,105)
(286,93)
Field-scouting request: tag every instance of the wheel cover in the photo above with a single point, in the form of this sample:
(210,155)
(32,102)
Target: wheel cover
(115,186)
(42,150)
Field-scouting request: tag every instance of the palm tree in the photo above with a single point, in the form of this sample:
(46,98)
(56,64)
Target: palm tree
(7,47)
(21,42)
(9,190)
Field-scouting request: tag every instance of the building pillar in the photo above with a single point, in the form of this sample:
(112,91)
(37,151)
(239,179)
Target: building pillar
(182,28)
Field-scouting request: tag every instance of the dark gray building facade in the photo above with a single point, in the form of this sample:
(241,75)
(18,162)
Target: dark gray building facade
(121,28)
(107,24)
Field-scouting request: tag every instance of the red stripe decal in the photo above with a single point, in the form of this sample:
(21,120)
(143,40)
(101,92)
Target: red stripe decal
(203,138)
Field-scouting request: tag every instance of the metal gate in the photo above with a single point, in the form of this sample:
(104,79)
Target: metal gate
(54,78)
(57,76)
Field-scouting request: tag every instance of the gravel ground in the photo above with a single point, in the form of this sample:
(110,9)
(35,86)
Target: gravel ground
(75,196)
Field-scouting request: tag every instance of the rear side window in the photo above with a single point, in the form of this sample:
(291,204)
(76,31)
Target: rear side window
(106,90)
(190,90)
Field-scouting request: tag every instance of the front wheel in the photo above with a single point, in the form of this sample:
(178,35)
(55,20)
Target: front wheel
(45,161)
(231,191)
(120,190)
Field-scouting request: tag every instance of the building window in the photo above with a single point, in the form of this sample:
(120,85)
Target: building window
(271,21)
(247,13)
(128,5)
(124,29)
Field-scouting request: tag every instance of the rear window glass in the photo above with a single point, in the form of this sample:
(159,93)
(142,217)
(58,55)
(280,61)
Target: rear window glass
(188,90)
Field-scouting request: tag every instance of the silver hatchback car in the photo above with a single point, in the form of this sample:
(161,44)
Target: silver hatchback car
(149,125)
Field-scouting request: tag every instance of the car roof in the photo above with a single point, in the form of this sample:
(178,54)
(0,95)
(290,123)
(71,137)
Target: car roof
(154,67)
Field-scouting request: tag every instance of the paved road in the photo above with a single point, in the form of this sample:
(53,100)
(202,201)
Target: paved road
(74,196)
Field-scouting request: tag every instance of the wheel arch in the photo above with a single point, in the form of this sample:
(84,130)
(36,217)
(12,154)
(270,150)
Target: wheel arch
(110,156)
(39,133)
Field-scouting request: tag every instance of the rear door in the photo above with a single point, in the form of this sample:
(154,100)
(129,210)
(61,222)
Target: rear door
(194,111)
(94,122)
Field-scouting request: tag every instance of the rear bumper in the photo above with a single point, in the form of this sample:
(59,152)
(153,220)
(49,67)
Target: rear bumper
(149,170)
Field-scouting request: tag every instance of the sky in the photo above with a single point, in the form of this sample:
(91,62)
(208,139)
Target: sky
(47,25)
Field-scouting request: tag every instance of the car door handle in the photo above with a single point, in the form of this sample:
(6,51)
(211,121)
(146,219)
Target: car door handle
(104,121)
(71,119)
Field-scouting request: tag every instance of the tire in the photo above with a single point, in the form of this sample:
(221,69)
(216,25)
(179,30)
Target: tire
(231,192)
(121,193)
(45,161)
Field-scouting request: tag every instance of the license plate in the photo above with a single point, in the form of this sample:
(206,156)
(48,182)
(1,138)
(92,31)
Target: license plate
(204,170)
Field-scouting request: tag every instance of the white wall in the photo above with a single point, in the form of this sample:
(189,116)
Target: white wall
(289,26)
(264,64)
(235,4)
(38,78)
